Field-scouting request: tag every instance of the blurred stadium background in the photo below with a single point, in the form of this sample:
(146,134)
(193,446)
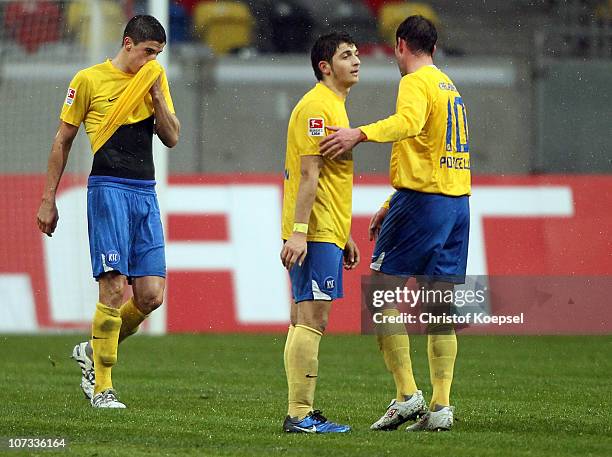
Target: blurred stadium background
(535,75)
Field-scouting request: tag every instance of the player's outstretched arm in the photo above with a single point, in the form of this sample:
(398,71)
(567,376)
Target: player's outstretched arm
(407,122)
(167,125)
(48,216)
(295,249)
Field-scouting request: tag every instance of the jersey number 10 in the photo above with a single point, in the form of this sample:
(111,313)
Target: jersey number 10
(452,123)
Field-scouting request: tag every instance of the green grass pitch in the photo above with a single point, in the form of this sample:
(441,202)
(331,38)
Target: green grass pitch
(225,395)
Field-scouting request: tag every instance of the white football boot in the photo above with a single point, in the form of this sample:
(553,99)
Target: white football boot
(434,421)
(106,399)
(399,412)
(88,377)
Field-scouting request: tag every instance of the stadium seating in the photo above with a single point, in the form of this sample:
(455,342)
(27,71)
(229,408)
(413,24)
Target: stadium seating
(391,16)
(32,24)
(376,5)
(291,26)
(603,11)
(344,15)
(188,5)
(261,10)
(224,26)
(79,15)
(180,23)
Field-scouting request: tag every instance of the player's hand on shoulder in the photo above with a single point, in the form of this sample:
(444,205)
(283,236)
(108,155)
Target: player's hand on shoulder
(294,250)
(376,223)
(352,257)
(47,217)
(341,141)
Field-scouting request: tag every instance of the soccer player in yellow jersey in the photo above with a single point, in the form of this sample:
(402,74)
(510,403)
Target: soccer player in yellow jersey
(316,224)
(422,230)
(121,102)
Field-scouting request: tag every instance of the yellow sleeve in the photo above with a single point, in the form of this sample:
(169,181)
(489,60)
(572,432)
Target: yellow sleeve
(166,92)
(410,116)
(76,103)
(310,125)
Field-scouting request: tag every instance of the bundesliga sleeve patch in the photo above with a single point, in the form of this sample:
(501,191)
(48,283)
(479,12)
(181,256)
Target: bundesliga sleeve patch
(70,96)
(316,126)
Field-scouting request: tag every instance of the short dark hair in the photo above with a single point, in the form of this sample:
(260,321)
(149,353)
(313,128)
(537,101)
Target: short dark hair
(419,33)
(144,28)
(324,49)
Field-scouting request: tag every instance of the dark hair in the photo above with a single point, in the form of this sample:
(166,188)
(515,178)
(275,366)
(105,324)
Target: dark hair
(144,28)
(324,49)
(419,33)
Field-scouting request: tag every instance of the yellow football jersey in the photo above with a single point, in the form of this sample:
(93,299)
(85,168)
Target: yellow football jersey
(93,91)
(330,219)
(429,129)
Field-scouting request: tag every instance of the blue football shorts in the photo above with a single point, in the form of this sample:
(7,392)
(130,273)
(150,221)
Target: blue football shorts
(320,276)
(424,235)
(125,230)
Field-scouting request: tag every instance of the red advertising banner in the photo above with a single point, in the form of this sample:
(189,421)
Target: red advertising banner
(223,244)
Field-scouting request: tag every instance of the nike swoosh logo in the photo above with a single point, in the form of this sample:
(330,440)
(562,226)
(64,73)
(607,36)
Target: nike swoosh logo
(98,338)
(311,376)
(312,429)
(112,99)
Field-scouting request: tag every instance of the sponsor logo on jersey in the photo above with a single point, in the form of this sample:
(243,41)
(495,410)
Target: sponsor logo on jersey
(70,95)
(316,126)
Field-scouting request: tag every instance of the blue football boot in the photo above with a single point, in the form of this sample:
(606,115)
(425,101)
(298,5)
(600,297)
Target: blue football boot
(314,422)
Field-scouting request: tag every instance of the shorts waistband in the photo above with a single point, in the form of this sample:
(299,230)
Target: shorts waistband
(138,185)
(405,190)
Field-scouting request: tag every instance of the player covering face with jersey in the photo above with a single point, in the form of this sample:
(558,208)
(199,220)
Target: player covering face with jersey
(121,102)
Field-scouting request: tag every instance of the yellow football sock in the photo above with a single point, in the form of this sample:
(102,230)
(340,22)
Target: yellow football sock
(131,318)
(104,339)
(394,343)
(287,344)
(302,370)
(442,352)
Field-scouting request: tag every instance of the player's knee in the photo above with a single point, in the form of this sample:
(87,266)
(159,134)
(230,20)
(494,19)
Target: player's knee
(293,317)
(313,315)
(112,288)
(150,301)
(322,325)
(318,323)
